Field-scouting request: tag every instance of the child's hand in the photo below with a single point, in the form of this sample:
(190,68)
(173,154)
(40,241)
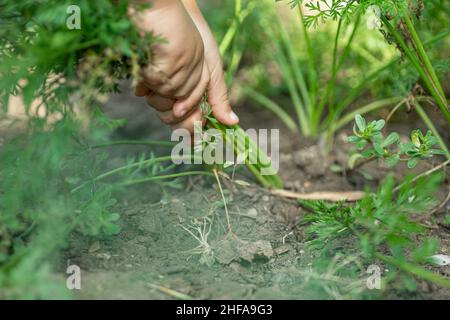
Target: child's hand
(184,67)
(217,89)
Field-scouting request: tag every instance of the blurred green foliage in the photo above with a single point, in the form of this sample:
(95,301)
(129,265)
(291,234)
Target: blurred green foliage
(41,58)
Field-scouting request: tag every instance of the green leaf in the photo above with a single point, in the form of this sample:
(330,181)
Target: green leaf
(415,138)
(378,148)
(361,144)
(412,163)
(391,139)
(378,125)
(353,139)
(360,122)
(393,160)
(437,152)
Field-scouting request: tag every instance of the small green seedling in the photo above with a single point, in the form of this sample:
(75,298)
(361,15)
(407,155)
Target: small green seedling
(371,144)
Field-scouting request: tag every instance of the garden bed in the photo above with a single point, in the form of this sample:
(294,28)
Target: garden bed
(264,258)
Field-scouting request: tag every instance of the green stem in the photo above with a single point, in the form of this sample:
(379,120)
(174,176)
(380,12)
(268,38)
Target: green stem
(423,55)
(442,105)
(272,106)
(362,110)
(296,70)
(269,181)
(336,67)
(342,59)
(239,17)
(288,77)
(133,142)
(129,166)
(164,177)
(313,84)
(355,92)
(330,87)
(334,64)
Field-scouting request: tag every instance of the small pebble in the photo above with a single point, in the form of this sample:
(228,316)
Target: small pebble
(252,212)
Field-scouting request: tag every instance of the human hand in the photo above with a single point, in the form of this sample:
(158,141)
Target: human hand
(180,72)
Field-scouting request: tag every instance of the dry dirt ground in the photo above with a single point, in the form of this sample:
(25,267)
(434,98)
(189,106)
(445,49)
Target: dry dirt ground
(176,243)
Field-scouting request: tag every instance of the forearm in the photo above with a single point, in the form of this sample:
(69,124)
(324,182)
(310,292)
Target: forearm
(202,26)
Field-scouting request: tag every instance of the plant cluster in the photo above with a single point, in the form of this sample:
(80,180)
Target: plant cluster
(371,143)
(379,229)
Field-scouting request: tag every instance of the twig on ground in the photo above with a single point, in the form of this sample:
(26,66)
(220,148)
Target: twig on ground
(321,195)
(440,206)
(426,173)
(170,292)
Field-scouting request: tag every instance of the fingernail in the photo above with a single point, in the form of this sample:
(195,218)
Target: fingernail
(233,116)
(182,112)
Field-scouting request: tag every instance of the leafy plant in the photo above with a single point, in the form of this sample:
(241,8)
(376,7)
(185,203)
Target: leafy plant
(371,144)
(381,227)
(320,101)
(37,215)
(397,18)
(246,150)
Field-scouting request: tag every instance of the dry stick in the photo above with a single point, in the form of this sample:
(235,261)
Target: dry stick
(170,292)
(423,174)
(349,196)
(332,196)
(223,198)
(441,205)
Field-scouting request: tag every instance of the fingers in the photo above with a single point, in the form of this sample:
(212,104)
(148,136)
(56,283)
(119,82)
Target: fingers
(218,98)
(158,102)
(164,107)
(141,90)
(170,119)
(189,122)
(176,78)
(183,106)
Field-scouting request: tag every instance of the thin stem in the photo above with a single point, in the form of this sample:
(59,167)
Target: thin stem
(334,64)
(272,106)
(355,92)
(329,93)
(286,73)
(362,110)
(423,174)
(223,199)
(127,167)
(330,87)
(239,17)
(164,177)
(442,105)
(313,84)
(423,55)
(342,59)
(296,70)
(133,142)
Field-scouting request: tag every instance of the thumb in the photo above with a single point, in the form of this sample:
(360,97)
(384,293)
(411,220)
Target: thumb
(218,99)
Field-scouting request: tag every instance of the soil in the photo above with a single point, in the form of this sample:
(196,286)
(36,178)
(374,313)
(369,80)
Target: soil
(157,257)
(261,255)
